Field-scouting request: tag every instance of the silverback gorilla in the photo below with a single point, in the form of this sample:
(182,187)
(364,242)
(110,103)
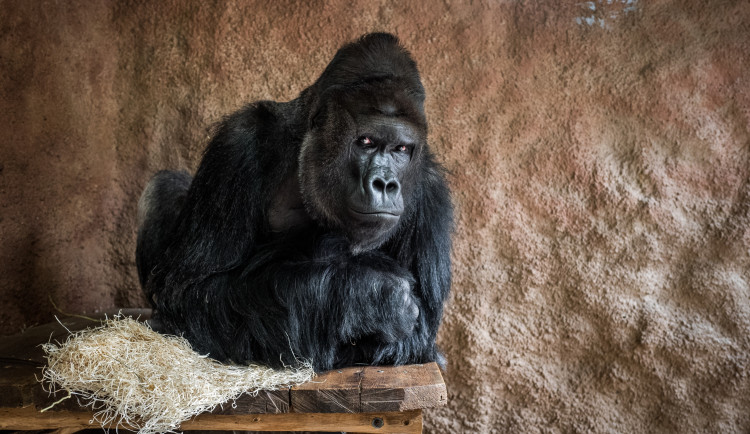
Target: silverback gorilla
(317,228)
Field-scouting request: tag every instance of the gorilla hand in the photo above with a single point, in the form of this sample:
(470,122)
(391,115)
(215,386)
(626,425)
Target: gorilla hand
(398,307)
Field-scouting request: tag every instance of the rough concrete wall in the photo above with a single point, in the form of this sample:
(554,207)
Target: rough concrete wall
(600,159)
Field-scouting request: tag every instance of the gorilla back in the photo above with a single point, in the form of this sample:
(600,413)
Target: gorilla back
(317,228)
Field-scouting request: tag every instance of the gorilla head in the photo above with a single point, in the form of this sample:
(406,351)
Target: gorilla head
(373,126)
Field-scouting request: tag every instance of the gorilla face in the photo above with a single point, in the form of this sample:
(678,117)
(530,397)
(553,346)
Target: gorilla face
(356,162)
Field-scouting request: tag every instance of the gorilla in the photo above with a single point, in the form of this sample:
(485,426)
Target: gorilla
(314,229)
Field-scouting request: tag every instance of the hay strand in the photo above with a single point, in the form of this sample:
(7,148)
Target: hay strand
(132,376)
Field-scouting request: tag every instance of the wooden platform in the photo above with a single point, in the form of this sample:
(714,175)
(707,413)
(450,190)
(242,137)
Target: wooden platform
(358,399)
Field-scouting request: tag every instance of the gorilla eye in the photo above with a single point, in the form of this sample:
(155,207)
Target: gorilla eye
(402,148)
(366,142)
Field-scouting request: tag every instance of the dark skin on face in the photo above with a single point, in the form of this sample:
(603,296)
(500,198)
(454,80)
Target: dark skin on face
(378,158)
(373,153)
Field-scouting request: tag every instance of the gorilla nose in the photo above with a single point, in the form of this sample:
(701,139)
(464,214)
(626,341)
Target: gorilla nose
(383,188)
(381,185)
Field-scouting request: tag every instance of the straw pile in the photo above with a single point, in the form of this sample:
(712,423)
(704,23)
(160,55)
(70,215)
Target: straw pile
(132,376)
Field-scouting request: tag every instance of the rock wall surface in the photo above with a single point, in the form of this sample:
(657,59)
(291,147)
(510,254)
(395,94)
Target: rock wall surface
(599,156)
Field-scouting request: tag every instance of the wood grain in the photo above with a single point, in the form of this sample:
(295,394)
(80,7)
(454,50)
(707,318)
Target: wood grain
(22,358)
(266,401)
(25,346)
(28,418)
(335,391)
(399,388)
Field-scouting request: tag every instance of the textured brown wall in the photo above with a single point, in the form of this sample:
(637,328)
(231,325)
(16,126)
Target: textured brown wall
(600,159)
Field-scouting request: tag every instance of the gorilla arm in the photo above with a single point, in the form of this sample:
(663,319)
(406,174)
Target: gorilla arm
(328,299)
(217,229)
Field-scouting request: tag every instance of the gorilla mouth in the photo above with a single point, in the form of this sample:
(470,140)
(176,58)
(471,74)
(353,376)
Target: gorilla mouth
(375,214)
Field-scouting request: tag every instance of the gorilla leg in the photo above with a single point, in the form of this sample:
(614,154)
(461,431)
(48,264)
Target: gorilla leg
(158,208)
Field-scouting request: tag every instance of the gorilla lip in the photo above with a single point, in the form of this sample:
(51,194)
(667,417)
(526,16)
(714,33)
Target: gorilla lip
(376,213)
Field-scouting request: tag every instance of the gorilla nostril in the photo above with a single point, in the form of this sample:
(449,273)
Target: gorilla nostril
(386,185)
(379,185)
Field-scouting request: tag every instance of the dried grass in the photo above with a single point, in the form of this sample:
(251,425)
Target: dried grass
(134,377)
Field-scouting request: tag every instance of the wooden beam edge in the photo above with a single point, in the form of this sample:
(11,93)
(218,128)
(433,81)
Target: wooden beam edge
(28,418)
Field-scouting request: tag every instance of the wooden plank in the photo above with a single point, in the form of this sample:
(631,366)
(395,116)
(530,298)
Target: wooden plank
(19,388)
(17,384)
(22,357)
(26,346)
(334,391)
(382,422)
(266,401)
(399,388)
(349,390)
(278,401)
(28,418)
(65,431)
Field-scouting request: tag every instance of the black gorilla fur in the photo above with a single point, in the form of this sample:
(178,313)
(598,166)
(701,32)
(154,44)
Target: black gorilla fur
(317,228)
